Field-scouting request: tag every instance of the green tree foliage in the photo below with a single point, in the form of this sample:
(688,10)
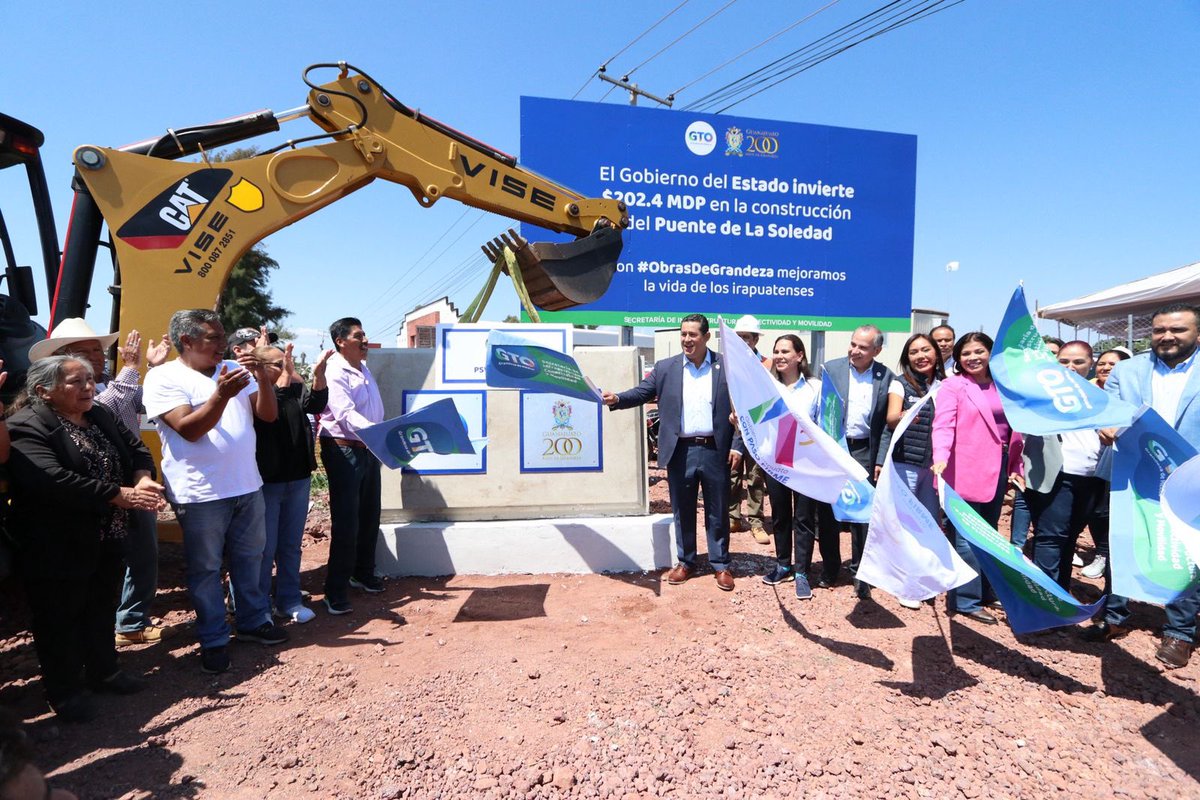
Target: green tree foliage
(1139,345)
(246,301)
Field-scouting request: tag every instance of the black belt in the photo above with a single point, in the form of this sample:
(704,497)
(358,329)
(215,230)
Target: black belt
(343,442)
(858,441)
(699,441)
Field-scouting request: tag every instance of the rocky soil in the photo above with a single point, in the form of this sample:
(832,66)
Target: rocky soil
(538,686)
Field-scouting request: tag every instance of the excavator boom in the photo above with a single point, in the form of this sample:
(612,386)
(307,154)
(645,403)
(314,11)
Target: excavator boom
(178,228)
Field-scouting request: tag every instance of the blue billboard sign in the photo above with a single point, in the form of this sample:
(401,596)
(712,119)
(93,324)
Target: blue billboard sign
(804,226)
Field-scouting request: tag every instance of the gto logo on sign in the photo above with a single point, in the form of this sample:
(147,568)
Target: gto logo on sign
(700,138)
(513,363)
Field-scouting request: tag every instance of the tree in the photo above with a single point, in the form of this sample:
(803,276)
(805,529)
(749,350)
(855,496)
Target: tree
(246,301)
(1139,345)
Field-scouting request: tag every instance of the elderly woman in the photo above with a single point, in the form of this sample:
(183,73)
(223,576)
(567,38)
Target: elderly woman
(122,395)
(76,472)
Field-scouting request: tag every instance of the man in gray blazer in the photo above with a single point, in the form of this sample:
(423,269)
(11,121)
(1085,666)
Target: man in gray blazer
(694,436)
(1168,380)
(863,384)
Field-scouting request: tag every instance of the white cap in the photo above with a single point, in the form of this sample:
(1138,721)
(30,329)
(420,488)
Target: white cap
(747,324)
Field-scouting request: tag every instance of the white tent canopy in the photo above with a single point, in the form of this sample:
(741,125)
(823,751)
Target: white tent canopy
(1109,311)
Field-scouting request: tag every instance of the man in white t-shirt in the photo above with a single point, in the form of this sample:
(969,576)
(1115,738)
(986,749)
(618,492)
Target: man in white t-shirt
(204,408)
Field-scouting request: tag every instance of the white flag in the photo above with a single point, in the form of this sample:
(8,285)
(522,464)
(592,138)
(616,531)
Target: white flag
(906,552)
(951,266)
(784,441)
(1180,504)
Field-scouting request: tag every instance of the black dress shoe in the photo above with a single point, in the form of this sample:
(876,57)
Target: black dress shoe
(826,582)
(120,682)
(862,590)
(980,616)
(1103,632)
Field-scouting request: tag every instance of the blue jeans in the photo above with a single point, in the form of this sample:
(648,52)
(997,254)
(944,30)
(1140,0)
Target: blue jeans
(971,596)
(141,574)
(1021,518)
(231,528)
(693,467)
(1061,515)
(286,513)
(354,498)
(1181,614)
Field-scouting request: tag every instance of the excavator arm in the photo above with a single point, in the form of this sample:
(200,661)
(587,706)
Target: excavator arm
(178,228)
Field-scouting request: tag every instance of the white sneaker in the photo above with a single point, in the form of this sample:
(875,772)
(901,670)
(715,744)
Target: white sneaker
(1076,561)
(301,614)
(1096,568)
(913,604)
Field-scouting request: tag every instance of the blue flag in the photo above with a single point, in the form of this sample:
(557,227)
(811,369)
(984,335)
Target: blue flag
(435,428)
(854,502)
(1181,505)
(1149,562)
(1032,601)
(514,362)
(833,412)
(1041,396)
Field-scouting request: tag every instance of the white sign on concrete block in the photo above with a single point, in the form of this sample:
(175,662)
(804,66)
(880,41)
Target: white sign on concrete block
(560,434)
(461,358)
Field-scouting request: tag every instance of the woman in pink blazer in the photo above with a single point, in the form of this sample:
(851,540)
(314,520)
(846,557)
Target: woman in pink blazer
(978,453)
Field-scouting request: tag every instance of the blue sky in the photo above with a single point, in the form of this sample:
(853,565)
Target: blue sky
(1057,141)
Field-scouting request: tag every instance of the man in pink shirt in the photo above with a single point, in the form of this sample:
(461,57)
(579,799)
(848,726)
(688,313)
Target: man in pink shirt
(353,471)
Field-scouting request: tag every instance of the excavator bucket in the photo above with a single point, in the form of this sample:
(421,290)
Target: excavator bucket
(563,275)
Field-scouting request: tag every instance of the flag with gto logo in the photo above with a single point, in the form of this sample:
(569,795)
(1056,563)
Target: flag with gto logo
(514,362)
(1039,395)
(435,428)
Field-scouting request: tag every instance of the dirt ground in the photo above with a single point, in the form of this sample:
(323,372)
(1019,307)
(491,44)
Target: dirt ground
(622,686)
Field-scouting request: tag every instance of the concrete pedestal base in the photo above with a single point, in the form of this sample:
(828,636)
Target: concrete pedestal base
(579,545)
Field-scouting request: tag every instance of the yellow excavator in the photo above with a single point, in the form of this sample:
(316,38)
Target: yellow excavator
(178,228)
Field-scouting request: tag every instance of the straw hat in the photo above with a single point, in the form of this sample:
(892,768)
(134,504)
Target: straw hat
(69,331)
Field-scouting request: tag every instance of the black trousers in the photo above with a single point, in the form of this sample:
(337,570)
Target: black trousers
(72,623)
(793,524)
(354,500)
(830,534)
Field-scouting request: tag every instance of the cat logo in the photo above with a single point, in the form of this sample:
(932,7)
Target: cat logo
(164,222)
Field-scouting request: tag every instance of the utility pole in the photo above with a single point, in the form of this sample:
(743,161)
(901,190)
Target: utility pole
(634,92)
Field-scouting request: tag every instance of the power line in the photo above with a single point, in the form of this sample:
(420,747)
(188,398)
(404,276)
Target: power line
(735,85)
(746,52)
(383,296)
(866,27)
(681,37)
(445,250)
(917,16)
(635,40)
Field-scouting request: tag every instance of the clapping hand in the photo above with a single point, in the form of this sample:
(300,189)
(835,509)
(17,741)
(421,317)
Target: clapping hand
(131,352)
(157,352)
(231,382)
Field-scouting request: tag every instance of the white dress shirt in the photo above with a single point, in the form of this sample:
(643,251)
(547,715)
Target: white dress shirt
(696,418)
(858,404)
(1166,387)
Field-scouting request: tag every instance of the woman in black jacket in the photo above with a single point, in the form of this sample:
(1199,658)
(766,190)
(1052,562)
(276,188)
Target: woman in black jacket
(286,460)
(75,471)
